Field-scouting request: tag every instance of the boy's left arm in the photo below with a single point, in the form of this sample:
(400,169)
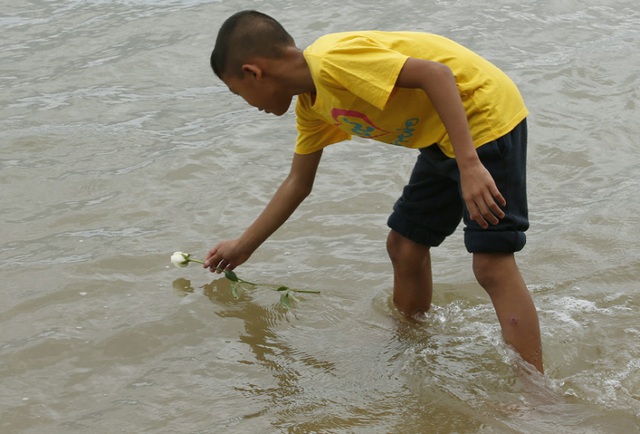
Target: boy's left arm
(479,191)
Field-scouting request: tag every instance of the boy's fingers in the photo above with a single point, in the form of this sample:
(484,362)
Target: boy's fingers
(494,212)
(486,213)
(486,218)
(210,260)
(215,266)
(497,201)
(475,213)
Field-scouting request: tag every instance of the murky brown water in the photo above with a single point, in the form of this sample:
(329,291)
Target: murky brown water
(120,147)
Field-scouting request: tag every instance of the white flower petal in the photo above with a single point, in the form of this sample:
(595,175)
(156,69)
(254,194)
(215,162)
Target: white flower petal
(180,259)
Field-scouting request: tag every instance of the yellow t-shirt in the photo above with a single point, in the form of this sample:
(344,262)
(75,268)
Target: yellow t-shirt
(355,75)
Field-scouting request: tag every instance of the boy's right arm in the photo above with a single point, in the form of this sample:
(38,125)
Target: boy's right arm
(293,190)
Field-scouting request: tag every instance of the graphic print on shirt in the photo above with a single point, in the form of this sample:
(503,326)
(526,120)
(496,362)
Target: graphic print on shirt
(358,124)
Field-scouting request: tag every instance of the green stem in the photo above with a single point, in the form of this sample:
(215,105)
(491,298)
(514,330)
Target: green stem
(300,291)
(239,280)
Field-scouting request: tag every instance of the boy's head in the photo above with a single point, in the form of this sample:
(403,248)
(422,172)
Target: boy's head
(245,35)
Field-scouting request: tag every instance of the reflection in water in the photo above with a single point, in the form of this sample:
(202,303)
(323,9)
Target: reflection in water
(445,370)
(286,364)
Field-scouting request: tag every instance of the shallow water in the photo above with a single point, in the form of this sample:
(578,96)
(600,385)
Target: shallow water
(120,147)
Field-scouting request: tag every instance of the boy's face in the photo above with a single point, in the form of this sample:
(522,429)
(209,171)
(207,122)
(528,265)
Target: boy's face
(260,91)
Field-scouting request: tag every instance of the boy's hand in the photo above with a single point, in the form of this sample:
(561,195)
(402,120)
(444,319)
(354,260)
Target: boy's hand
(226,255)
(479,191)
(482,197)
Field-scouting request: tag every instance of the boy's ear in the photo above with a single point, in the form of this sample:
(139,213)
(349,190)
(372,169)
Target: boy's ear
(252,70)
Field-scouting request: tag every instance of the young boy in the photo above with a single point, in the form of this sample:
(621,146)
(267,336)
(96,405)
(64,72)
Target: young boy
(417,90)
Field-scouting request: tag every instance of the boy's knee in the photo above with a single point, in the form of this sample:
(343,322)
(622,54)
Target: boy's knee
(403,251)
(393,245)
(489,268)
(486,278)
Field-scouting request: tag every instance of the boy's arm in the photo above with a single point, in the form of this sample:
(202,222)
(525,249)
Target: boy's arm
(293,190)
(479,191)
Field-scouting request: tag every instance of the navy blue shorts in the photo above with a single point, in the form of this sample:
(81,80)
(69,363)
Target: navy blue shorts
(431,204)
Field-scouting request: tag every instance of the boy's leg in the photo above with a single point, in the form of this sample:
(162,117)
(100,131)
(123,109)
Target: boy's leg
(412,282)
(499,275)
(493,249)
(428,211)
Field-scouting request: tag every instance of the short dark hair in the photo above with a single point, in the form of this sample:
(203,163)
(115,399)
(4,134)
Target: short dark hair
(246,34)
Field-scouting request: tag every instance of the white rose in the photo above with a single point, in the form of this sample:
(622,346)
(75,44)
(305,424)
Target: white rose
(180,259)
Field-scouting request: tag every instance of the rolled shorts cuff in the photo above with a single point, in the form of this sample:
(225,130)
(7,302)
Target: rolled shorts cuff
(415,233)
(487,241)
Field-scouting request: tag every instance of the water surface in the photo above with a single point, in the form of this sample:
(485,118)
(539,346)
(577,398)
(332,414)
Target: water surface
(120,147)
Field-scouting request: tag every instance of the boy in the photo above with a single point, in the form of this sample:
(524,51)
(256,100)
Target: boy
(417,90)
